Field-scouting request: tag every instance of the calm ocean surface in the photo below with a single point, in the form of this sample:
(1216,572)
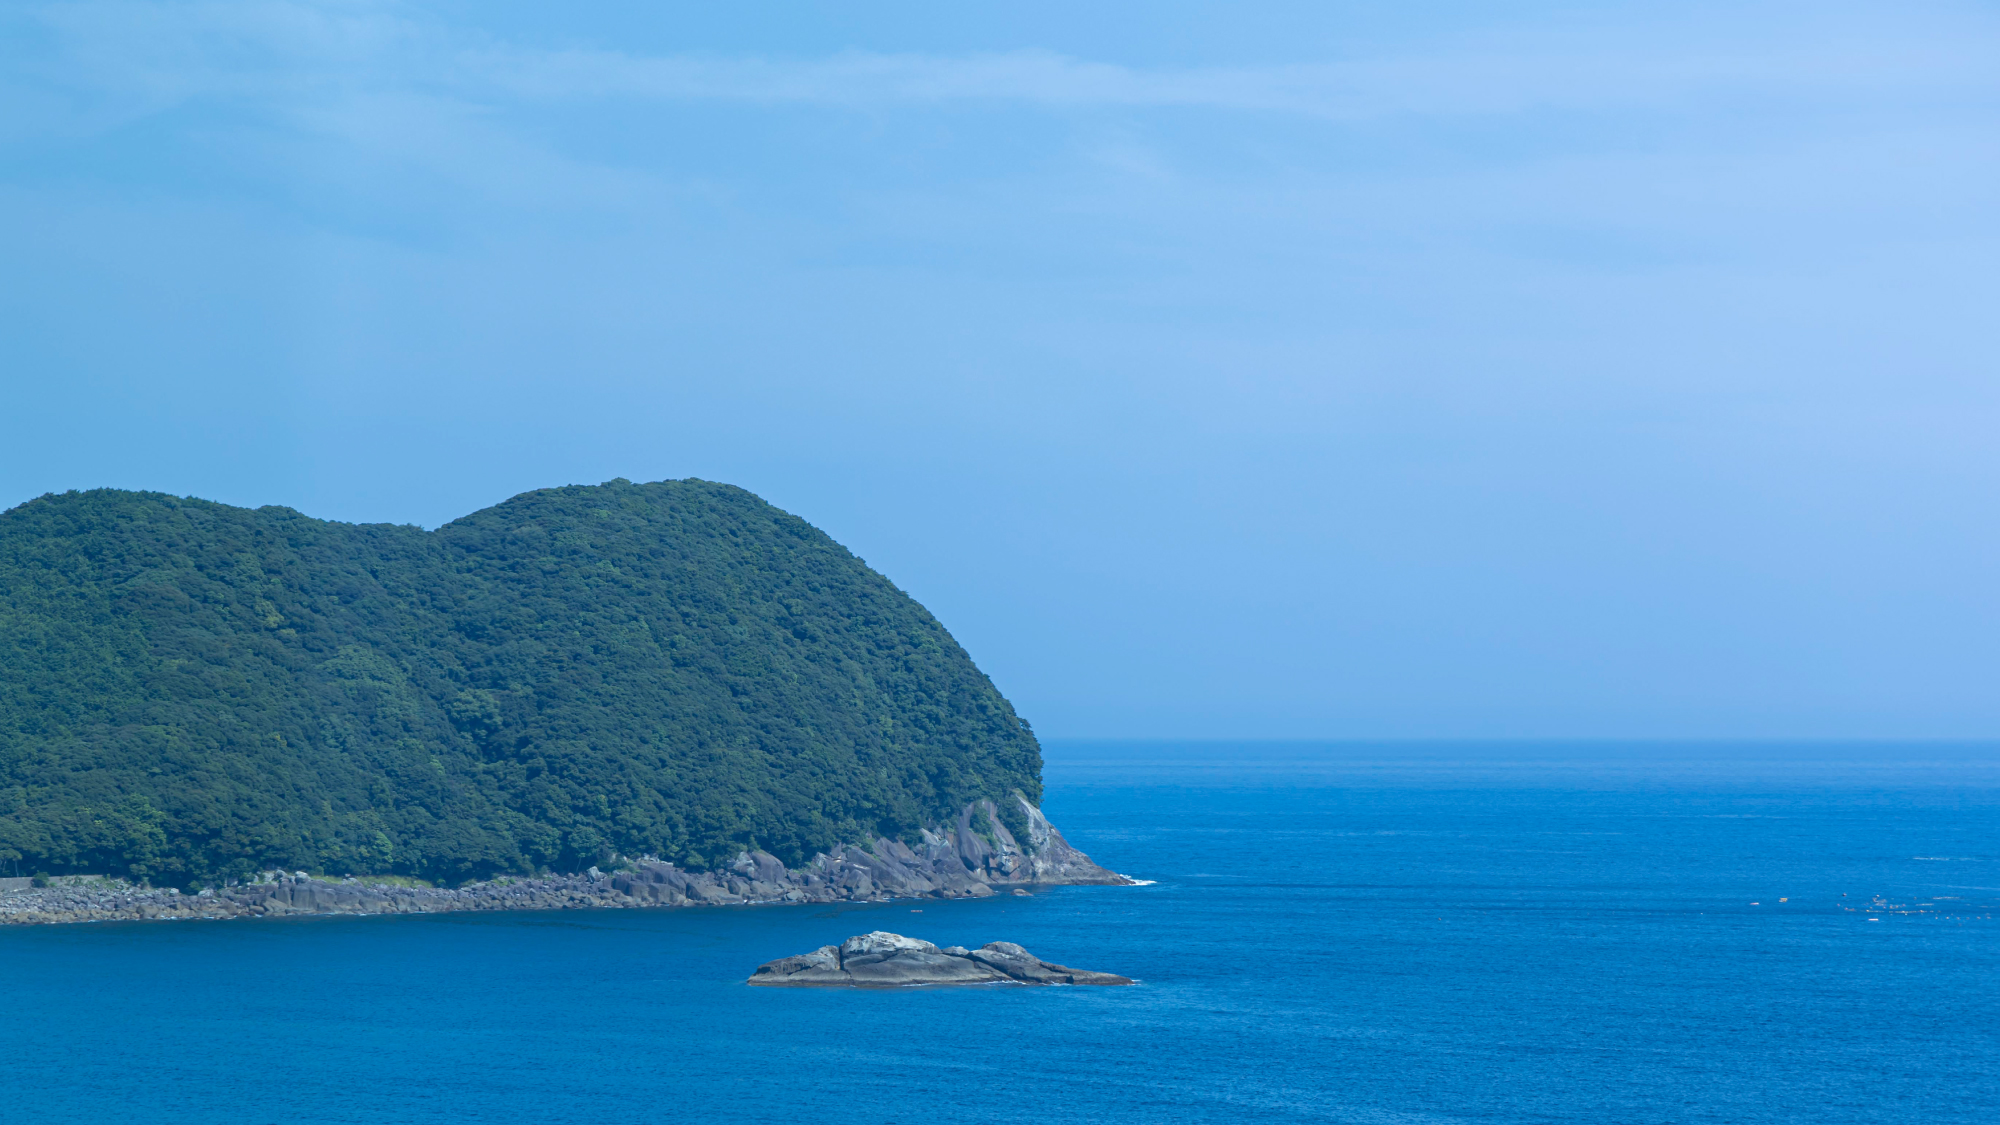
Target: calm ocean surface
(1337,933)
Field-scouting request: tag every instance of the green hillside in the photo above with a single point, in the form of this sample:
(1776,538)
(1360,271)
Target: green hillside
(191,691)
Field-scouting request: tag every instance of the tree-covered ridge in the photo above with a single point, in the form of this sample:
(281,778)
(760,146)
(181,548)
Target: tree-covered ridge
(191,691)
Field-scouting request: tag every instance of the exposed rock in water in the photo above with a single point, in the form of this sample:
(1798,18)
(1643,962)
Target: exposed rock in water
(974,858)
(886,960)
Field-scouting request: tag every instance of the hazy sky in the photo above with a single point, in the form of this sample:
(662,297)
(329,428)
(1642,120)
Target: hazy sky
(1209,369)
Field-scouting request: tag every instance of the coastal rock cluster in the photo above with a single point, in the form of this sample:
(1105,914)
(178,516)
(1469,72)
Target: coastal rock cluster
(974,858)
(886,960)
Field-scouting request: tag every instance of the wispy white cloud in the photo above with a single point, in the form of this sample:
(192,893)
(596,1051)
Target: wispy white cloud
(376,92)
(1468,79)
(158,53)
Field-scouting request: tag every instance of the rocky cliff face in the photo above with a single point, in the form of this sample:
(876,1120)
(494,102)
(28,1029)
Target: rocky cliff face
(886,960)
(974,858)
(969,860)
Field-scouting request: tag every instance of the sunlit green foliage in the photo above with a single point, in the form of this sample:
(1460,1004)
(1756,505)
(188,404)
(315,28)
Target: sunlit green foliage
(191,691)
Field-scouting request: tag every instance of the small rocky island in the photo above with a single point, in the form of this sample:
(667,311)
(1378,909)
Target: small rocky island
(886,960)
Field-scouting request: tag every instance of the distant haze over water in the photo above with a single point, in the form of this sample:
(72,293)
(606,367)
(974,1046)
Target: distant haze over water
(1524,761)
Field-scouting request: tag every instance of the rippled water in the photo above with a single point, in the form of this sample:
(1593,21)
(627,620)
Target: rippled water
(1336,934)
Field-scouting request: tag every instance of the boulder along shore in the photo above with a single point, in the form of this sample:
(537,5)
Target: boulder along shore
(950,861)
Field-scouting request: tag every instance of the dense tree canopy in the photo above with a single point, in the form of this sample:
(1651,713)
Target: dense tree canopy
(191,691)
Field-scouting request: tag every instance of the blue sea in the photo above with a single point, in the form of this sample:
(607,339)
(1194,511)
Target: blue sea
(1334,933)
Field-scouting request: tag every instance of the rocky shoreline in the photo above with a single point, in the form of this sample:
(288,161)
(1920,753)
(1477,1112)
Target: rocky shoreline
(975,858)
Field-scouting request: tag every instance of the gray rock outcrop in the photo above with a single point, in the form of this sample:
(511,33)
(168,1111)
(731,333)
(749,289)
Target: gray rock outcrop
(886,960)
(973,858)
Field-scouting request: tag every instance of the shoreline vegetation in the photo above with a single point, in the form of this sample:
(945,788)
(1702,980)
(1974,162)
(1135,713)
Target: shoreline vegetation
(976,858)
(197,693)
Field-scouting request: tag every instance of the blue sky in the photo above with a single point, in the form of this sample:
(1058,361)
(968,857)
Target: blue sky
(1315,370)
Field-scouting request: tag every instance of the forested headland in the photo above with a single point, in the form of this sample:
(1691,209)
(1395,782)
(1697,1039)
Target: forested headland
(192,692)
